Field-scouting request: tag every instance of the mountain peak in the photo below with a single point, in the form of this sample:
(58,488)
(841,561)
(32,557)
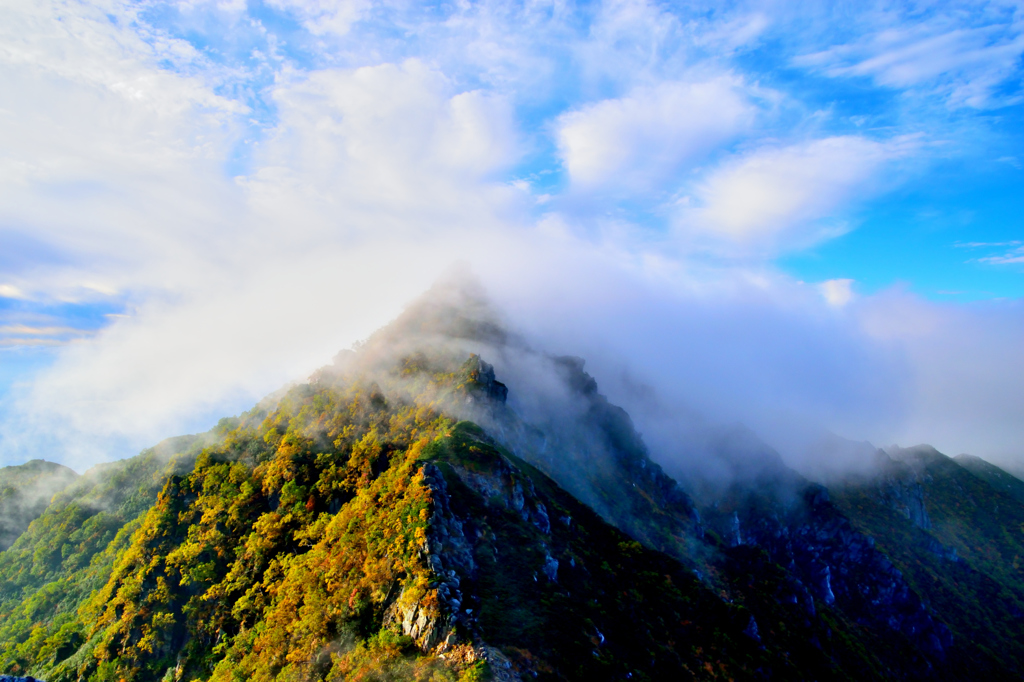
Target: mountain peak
(444,502)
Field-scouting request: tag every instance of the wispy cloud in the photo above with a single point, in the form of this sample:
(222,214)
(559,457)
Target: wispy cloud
(14,343)
(979,245)
(15,336)
(1011,257)
(962,51)
(775,197)
(25,330)
(11,291)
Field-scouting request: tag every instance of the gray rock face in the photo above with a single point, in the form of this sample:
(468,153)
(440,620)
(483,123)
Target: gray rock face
(591,448)
(449,555)
(494,389)
(735,534)
(751,630)
(550,568)
(840,566)
(507,487)
(942,551)
(906,497)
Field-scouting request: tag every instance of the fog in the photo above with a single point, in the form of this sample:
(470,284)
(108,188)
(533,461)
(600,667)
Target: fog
(25,492)
(704,445)
(242,253)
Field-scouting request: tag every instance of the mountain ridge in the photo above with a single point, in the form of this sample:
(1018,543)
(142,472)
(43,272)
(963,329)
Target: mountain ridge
(412,512)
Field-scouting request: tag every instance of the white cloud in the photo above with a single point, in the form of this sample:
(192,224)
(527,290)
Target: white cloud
(966,368)
(963,53)
(326,16)
(777,196)
(108,158)
(11,291)
(838,292)
(366,179)
(1011,257)
(633,143)
(371,183)
(394,138)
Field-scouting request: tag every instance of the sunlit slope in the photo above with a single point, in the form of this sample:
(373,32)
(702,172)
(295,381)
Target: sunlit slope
(351,531)
(68,551)
(357,528)
(407,515)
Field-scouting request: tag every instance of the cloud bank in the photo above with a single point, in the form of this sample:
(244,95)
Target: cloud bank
(248,208)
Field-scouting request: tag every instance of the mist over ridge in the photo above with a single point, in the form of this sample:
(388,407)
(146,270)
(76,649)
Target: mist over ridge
(206,201)
(456,317)
(446,494)
(489,341)
(695,370)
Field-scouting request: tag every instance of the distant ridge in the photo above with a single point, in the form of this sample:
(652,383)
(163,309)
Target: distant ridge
(25,492)
(999,479)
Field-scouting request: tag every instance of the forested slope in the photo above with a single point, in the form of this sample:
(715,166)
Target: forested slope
(405,515)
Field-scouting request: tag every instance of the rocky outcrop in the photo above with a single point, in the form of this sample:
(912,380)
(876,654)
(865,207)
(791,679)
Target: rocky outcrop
(432,621)
(906,496)
(483,375)
(594,451)
(500,667)
(838,566)
(505,486)
(940,550)
(440,622)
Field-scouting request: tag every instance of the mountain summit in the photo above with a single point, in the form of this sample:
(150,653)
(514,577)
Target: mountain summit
(444,502)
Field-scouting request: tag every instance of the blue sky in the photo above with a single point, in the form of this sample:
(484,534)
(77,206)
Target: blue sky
(178,173)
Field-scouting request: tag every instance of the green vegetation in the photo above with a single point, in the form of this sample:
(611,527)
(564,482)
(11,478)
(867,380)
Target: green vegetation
(25,492)
(966,563)
(67,553)
(195,565)
(360,528)
(290,546)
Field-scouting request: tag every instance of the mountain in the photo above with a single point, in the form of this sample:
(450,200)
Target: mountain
(958,541)
(25,492)
(993,475)
(445,503)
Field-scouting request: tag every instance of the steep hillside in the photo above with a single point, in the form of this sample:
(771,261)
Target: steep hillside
(993,475)
(68,551)
(957,541)
(416,512)
(25,492)
(350,530)
(837,572)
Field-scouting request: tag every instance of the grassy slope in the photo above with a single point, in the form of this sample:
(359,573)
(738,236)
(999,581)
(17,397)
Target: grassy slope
(993,475)
(978,596)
